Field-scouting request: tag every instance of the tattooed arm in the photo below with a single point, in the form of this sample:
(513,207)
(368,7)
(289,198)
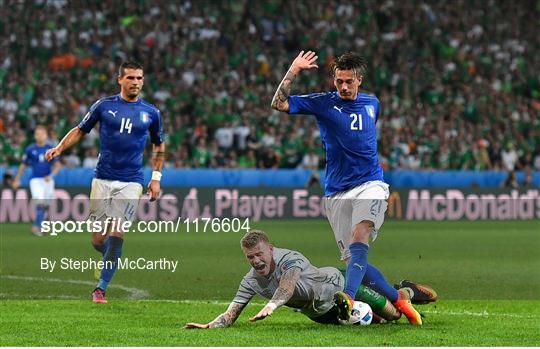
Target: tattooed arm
(302,61)
(224,320)
(283,293)
(158,158)
(281,97)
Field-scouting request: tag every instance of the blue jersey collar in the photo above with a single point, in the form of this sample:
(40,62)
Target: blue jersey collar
(126,101)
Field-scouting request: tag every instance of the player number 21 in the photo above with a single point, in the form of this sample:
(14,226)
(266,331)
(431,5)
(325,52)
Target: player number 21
(356,122)
(125,125)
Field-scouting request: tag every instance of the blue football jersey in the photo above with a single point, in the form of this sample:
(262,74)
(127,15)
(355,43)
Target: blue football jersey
(34,157)
(123,129)
(348,135)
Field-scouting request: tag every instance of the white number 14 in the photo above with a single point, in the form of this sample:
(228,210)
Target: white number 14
(356,122)
(125,125)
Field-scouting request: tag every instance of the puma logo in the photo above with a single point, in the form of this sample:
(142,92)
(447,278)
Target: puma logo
(338,109)
(113,112)
(361,267)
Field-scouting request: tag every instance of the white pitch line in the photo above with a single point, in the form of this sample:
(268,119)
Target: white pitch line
(196,301)
(17,296)
(134,293)
(482,314)
(138,294)
(438,312)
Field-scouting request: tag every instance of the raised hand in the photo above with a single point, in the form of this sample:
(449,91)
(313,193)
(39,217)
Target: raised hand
(304,60)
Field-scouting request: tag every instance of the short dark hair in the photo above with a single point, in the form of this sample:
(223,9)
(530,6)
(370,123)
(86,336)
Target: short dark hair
(42,127)
(253,237)
(350,61)
(128,65)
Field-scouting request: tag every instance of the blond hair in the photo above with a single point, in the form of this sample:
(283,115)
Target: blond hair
(253,237)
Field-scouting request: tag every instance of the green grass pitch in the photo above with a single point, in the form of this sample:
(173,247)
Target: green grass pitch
(487,275)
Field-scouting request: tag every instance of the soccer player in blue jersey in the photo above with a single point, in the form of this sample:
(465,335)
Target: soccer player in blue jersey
(41,181)
(355,191)
(125,121)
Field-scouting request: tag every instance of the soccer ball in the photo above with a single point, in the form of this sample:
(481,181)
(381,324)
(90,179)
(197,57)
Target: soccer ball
(361,315)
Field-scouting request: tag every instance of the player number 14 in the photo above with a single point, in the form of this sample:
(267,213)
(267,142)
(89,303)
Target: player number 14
(356,122)
(125,125)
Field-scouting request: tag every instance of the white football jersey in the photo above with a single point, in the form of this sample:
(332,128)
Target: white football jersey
(314,292)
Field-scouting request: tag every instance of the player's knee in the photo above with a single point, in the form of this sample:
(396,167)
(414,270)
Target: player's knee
(98,241)
(362,232)
(119,234)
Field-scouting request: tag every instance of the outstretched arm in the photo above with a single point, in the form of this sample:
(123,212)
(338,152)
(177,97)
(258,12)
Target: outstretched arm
(282,295)
(302,61)
(70,139)
(56,168)
(224,320)
(17,180)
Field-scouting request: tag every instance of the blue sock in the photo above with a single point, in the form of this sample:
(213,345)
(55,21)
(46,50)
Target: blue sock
(375,280)
(112,253)
(40,215)
(356,268)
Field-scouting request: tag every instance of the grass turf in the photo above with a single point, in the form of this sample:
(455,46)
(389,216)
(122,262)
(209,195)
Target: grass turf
(486,273)
(144,323)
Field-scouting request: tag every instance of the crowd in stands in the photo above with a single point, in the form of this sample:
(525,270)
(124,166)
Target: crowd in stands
(457,80)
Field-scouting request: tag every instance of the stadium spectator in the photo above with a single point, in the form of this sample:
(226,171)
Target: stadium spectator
(509,157)
(253,142)
(510,181)
(269,159)
(241,133)
(71,160)
(225,136)
(528,178)
(310,161)
(248,160)
(201,154)
(536,161)
(91,158)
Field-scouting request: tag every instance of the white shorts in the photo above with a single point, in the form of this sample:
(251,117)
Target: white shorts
(42,191)
(366,202)
(114,199)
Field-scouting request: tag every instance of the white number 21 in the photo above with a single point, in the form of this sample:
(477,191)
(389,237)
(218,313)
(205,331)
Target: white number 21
(125,125)
(356,122)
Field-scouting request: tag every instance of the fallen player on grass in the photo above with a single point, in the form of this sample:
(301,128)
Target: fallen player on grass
(286,277)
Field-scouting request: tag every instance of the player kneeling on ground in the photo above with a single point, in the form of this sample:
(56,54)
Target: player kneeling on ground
(286,277)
